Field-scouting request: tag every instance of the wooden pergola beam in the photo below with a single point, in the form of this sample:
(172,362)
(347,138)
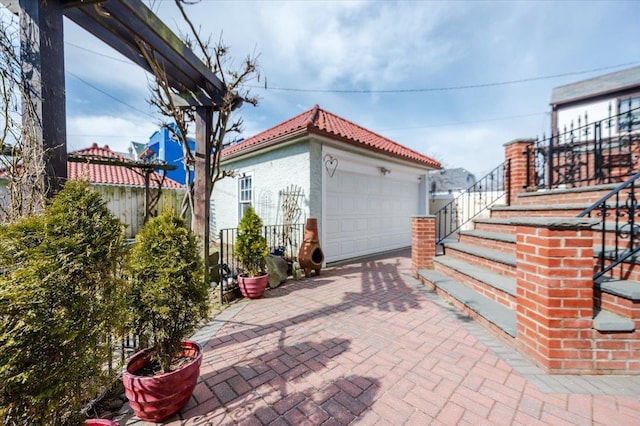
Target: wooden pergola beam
(125,25)
(128,26)
(42,55)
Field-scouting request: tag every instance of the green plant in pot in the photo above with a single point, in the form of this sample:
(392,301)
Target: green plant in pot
(169,299)
(251,250)
(61,303)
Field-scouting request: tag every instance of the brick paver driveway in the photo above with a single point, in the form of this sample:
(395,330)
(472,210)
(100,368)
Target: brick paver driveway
(365,344)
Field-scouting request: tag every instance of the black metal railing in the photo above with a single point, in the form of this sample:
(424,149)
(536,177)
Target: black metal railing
(283,240)
(621,207)
(477,198)
(605,151)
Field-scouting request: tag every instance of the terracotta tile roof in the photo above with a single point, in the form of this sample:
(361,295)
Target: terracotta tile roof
(111,175)
(321,122)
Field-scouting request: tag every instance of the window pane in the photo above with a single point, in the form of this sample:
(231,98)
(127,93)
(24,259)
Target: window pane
(245,192)
(629,114)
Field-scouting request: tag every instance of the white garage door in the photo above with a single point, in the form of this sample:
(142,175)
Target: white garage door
(367,214)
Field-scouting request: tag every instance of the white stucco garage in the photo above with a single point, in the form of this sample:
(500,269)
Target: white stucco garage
(362,187)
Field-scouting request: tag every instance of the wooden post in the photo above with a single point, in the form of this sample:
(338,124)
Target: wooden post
(42,55)
(202,185)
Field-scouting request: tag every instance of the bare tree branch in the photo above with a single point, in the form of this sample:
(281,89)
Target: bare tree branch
(217,58)
(23,166)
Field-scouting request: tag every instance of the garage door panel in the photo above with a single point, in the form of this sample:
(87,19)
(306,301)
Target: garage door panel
(347,225)
(367,214)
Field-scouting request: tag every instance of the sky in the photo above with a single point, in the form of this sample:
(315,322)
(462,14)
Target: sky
(411,63)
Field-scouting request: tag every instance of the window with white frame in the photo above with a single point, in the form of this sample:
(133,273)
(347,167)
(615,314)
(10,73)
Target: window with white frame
(629,118)
(245,194)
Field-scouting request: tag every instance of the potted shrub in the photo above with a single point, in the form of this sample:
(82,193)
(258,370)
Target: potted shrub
(169,298)
(251,250)
(61,299)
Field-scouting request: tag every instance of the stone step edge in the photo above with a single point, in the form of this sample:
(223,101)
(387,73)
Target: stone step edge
(606,321)
(559,191)
(541,207)
(495,236)
(493,255)
(491,279)
(497,314)
(624,288)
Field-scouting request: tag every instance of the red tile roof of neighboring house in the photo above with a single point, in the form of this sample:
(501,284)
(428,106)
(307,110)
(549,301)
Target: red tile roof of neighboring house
(109,174)
(324,123)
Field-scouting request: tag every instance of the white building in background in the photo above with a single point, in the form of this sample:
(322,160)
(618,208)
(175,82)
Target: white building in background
(597,99)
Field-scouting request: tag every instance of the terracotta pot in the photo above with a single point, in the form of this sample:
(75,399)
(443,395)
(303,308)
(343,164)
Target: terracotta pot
(253,287)
(156,398)
(100,422)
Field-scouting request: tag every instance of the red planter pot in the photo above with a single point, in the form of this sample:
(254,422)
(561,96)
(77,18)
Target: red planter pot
(100,422)
(156,398)
(253,287)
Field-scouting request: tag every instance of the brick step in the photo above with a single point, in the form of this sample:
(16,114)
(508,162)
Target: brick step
(538,210)
(491,240)
(493,260)
(496,287)
(619,296)
(489,312)
(627,270)
(501,226)
(588,195)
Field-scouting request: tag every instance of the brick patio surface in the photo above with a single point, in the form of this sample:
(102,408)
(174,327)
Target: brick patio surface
(365,343)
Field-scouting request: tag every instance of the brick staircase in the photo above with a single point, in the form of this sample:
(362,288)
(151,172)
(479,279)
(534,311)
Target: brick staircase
(526,274)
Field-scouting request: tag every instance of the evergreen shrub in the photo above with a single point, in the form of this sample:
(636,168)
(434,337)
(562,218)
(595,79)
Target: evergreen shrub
(169,297)
(251,246)
(61,301)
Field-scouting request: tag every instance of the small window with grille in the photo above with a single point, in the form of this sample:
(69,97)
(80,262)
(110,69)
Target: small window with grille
(245,194)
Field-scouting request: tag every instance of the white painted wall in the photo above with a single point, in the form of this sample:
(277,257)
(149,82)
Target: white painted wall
(596,111)
(271,172)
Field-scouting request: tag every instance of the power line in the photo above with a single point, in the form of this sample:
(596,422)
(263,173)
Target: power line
(110,95)
(78,135)
(124,61)
(456,123)
(413,90)
(441,89)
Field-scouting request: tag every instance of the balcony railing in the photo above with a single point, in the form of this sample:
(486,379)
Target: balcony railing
(602,152)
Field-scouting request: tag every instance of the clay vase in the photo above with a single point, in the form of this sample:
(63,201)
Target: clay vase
(310,255)
(156,398)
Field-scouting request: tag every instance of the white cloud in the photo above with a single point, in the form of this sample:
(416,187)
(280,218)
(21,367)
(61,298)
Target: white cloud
(116,132)
(378,45)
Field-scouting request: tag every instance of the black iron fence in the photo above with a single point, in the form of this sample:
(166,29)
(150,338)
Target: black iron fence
(605,151)
(472,201)
(620,228)
(283,240)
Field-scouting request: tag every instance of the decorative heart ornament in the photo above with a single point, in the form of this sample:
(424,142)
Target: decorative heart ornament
(331,164)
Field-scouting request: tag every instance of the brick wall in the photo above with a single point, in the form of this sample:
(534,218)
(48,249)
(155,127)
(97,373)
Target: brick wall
(555,298)
(423,243)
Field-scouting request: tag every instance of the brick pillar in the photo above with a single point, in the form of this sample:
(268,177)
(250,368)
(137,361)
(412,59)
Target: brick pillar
(515,153)
(423,242)
(555,292)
